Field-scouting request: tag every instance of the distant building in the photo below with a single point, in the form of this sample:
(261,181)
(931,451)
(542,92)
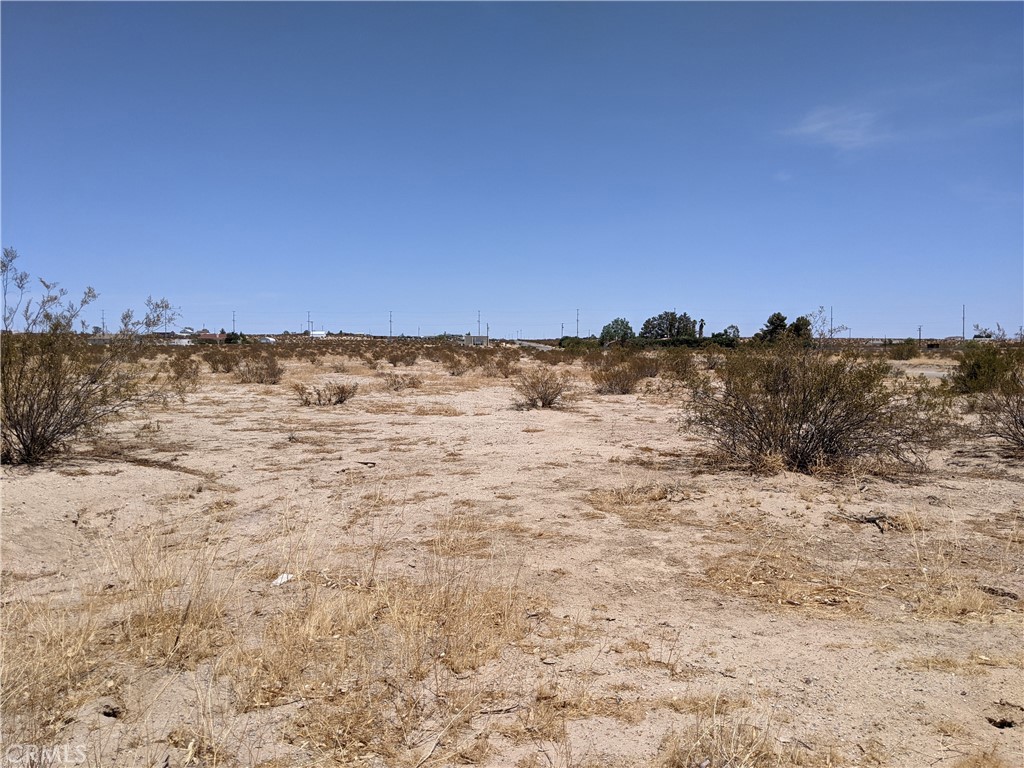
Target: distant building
(469,340)
(318,334)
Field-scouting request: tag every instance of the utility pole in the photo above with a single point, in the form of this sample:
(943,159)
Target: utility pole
(390,316)
(103,321)
(232,321)
(577,323)
(309,323)
(478,322)
(919,337)
(563,331)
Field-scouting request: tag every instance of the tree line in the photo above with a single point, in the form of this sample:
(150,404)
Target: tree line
(672,329)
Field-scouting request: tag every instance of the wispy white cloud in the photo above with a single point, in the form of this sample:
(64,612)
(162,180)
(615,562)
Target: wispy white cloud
(783,176)
(843,128)
(985,193)
(995,119)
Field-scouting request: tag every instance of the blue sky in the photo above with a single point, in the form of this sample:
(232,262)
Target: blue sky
(349,160)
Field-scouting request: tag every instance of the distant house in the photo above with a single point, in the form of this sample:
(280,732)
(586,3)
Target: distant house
(211,338)
(469,340)
(318,334)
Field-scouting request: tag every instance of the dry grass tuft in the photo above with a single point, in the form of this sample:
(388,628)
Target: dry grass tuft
(719,740)
(461,535)
(171,613)
(50,668)
(984,759)
(379,663)
(782,574)
(640,505)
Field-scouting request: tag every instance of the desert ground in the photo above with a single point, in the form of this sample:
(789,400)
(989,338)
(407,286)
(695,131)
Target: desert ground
(436,576)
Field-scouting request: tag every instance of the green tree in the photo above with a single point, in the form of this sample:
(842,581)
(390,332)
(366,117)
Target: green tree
(618,330)
(669,326)
(801,329)
(729,337)
(774,329)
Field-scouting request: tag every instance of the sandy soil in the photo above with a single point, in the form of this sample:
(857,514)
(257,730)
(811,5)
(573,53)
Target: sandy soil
(661,595)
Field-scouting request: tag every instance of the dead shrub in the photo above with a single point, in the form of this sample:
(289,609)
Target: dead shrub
(540,388)
(806,410)
(331,393)
(396,382)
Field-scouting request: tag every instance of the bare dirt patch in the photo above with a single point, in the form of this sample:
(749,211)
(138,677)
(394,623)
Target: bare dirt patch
(433,576)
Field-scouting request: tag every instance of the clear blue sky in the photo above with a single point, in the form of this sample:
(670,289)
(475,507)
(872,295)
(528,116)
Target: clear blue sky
(729,160)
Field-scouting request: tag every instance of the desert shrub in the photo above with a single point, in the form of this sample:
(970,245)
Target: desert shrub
(259,369)
(982,368)
(331,393)
(804,409)
(1002,409)
(540,388)
(184,373)
(503,365)
(54,386)
(455,363)
(905,350)
(220,360)
(619,371)
(678,364)
(578,346)
(616,379)
(396,382)
(402,355)
(646,366)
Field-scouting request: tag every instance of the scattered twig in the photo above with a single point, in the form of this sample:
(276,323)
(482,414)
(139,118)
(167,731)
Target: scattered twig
(877,520)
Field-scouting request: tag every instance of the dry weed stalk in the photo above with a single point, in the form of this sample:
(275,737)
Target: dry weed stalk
(719,739)
(380,658)
(50,667)
(173,613)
